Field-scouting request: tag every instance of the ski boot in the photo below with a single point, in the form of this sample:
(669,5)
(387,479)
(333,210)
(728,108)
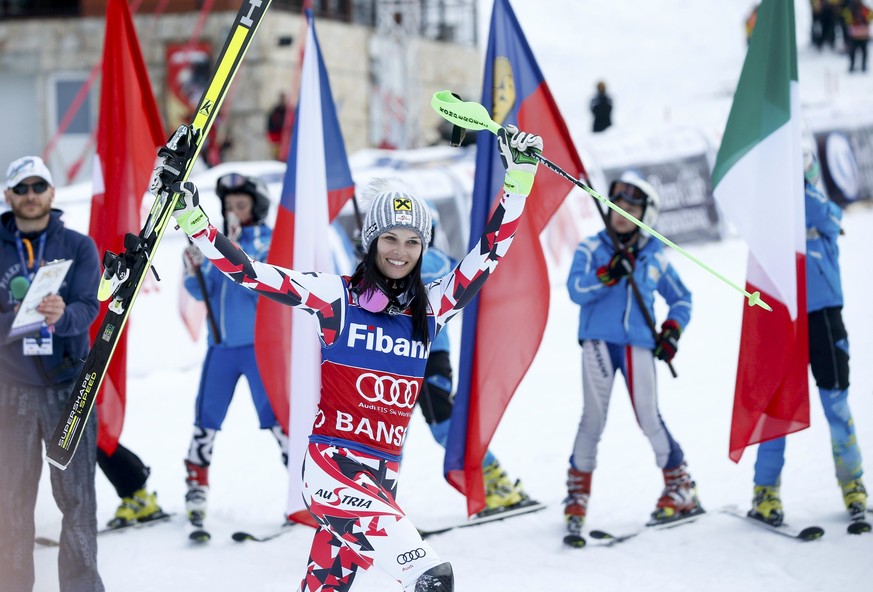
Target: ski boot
(576,505)
(766,505)
(500,492)
(142,506)
(195,500)
(679,498)
(855,498)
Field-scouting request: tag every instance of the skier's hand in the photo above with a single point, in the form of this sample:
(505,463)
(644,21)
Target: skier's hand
(193,258)
(668,340)
(188,214)
(517,149)
(234,227)
(621,265)
(175,156)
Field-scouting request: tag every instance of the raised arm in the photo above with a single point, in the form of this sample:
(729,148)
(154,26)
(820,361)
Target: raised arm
(320,294)
(451,294)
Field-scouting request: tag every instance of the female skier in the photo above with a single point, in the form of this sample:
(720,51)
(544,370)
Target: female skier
(376,328)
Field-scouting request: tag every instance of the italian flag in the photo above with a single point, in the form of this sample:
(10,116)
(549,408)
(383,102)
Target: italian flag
(758,183)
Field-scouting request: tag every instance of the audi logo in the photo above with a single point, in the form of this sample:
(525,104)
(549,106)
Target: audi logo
(388,390)
(405,558)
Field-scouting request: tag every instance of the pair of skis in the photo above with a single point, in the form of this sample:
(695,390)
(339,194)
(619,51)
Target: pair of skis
(154,519)
(124,274)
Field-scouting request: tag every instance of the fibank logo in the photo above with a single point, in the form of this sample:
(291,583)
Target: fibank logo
(377,340)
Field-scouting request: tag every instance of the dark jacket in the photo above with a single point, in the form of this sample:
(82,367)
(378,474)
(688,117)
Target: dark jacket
(79,291)
(601,108)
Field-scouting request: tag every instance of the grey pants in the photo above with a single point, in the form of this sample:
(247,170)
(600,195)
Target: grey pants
(28,416)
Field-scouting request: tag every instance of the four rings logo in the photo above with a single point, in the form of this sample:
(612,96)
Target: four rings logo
(409,556)
(389,390)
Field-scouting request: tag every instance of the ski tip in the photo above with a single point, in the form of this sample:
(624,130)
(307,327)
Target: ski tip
(241,537)
(600,535)
(199,537)
(46,542)
(574,540)
(811,533)
(859,527)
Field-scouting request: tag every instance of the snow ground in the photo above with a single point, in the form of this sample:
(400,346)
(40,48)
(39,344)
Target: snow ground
(687,56)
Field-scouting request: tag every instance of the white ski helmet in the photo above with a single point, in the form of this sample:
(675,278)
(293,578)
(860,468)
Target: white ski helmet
(632,188)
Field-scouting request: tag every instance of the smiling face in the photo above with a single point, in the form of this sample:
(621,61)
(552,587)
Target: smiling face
(397,252)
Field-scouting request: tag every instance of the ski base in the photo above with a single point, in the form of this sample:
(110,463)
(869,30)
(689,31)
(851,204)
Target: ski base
(524,507)
(809,533)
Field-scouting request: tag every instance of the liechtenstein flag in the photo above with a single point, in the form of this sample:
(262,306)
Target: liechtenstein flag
(317,184)
(496,347)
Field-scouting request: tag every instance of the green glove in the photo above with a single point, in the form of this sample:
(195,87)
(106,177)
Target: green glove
(188,214)
(517,151)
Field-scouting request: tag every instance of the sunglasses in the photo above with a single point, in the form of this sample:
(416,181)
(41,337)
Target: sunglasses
(38,188)
(629,193)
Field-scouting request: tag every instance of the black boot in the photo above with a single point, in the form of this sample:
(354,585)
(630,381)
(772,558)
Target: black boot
(436,579)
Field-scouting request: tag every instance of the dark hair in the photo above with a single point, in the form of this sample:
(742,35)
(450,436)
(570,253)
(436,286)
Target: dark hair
(368,277)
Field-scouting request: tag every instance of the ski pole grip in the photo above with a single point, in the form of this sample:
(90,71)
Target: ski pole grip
(465,114)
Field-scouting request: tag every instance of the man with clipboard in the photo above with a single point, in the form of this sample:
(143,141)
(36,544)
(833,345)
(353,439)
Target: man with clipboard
(38,363)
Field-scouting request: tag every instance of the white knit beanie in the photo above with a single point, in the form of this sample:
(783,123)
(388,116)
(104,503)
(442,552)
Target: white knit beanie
(392,209)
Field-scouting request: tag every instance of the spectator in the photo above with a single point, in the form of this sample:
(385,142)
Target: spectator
(36,376)
(601,108)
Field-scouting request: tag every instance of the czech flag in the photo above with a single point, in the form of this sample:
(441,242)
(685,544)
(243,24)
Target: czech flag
(497,349)
(318,182)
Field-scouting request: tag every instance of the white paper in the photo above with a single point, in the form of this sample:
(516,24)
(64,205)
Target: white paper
(48,280)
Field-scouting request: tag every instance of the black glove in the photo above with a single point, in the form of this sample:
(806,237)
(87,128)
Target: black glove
(668,340)
(621,264)
(175,156)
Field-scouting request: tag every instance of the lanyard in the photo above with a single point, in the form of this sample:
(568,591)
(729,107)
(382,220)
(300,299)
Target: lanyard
(28,271)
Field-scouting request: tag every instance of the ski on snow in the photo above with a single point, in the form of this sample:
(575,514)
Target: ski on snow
(604,538)
(160,518)
(524,507)
(242,536)
(124,274)
(808,533)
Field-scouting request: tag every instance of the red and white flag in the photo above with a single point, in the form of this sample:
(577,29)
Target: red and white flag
(128,135)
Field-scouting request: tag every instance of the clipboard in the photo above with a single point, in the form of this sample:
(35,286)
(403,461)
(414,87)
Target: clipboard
(48,280)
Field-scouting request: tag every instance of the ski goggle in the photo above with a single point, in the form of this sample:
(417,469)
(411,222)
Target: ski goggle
(628,192)
(235,183)
(39,187)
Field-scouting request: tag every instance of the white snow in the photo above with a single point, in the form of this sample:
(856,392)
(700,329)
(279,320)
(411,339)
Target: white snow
(671,65)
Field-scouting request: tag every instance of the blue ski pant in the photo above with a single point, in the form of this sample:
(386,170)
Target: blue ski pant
(829,361)
(222,370)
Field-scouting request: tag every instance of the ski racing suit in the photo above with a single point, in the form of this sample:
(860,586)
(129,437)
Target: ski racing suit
(371,375)
(614,336)
(828,344)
